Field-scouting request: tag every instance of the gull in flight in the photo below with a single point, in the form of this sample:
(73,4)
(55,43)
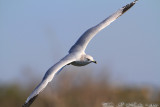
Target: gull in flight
(77,55)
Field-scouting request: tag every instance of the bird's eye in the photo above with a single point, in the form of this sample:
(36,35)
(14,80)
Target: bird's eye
(88,59)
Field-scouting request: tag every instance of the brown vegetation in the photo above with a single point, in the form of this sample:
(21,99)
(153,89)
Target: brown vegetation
(78,89)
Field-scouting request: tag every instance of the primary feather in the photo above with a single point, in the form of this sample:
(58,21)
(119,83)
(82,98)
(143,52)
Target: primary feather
(48,77)
(83,41)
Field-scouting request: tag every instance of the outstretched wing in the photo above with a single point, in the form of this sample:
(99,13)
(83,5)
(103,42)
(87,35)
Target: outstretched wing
(48,77)
(83,41)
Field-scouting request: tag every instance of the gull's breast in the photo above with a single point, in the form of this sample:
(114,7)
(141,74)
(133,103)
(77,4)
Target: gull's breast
(80,63)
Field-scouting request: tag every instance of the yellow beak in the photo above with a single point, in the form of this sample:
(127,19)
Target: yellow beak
(94,62)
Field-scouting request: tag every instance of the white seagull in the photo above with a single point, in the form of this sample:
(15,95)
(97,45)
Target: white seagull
(77,55)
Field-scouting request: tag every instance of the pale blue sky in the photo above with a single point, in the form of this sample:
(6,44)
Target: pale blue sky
(37,33)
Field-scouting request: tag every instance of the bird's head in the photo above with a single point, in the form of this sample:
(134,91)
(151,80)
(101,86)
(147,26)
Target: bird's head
(89,59)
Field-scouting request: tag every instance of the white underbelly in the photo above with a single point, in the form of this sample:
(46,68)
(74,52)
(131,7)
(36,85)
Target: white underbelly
(79,63)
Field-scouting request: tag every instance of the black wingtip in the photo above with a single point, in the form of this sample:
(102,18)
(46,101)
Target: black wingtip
(29,102)
(128,6)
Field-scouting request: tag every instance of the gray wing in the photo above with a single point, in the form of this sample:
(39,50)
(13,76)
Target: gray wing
(48,77)
(83,41)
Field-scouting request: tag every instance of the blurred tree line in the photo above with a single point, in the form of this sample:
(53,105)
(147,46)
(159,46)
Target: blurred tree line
(78,89)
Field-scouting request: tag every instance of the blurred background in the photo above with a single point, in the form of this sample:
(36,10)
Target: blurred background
(35,34)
